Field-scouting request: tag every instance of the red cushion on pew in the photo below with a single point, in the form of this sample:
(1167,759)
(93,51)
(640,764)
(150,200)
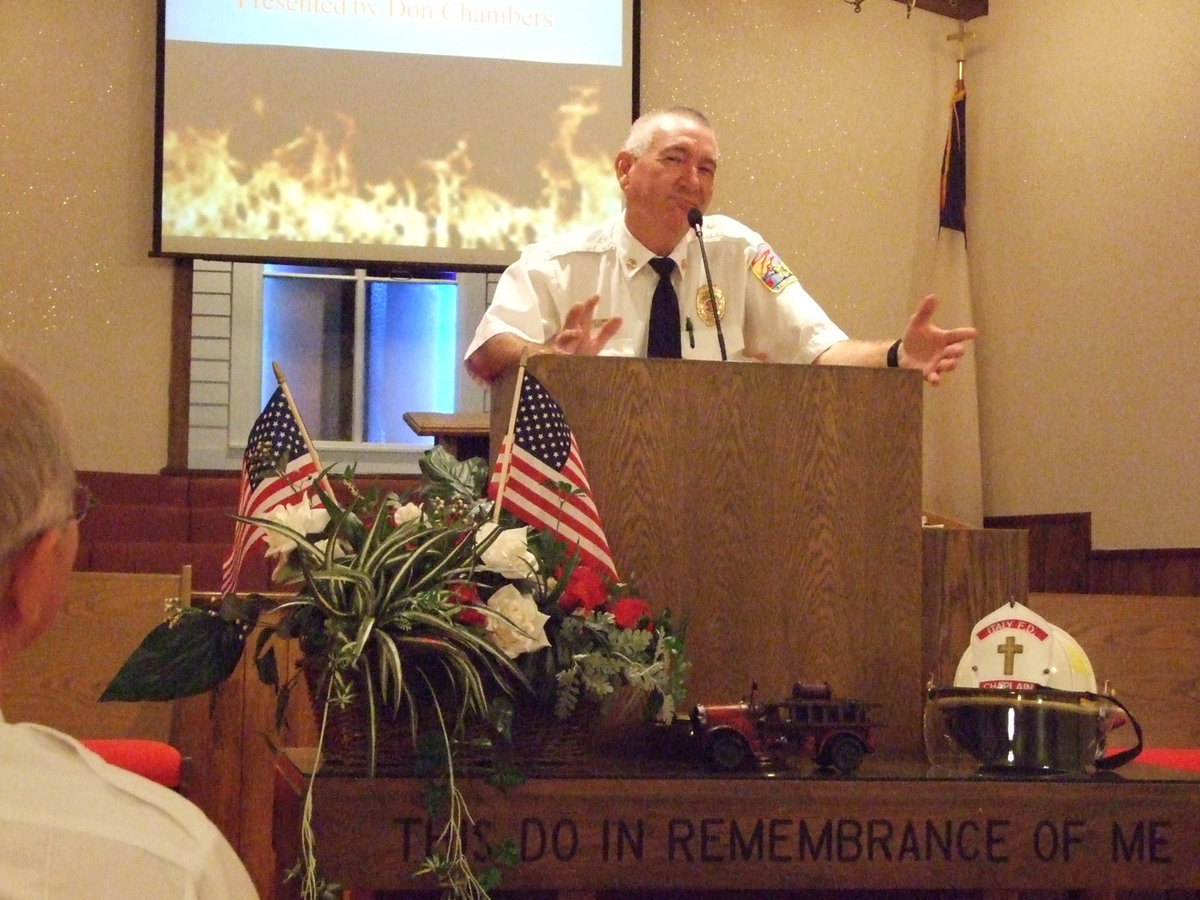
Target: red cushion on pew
(152,759)
(1187,758)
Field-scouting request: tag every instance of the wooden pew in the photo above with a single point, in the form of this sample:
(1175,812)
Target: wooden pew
(59,679)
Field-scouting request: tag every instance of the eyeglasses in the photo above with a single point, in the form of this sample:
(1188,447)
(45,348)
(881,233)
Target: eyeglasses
(83,502)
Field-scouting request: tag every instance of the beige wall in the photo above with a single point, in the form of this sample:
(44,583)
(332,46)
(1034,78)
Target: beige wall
(80,300)
(1085,228)
(1083,166)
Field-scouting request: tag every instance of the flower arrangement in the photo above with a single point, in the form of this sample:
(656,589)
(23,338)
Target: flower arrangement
(429,609)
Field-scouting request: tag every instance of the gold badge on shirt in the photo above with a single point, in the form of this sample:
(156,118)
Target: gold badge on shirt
(704,308)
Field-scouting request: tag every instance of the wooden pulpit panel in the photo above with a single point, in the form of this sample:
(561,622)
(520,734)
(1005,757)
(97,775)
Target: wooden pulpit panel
(969,572)
(777,506)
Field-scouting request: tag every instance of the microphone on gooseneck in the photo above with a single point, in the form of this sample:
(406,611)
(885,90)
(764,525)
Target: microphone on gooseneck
(696,219)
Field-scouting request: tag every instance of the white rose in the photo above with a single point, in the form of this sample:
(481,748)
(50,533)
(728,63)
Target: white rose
(303,517)
(509,553)
(408,512)
(518,626)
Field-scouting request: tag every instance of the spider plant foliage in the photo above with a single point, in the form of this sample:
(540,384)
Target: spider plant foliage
(425,611)
(379,608)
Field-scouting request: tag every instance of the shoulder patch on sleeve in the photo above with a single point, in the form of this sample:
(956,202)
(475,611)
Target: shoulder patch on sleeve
(770,269)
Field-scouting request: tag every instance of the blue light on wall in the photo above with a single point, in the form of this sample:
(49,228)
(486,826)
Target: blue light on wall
(412,362)
(410,356)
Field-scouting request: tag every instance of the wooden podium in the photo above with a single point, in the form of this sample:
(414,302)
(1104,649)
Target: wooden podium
(776,506)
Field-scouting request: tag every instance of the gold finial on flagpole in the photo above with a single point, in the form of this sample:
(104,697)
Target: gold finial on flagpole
(962,36)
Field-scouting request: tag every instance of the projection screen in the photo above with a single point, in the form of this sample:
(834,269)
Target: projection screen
(440,134)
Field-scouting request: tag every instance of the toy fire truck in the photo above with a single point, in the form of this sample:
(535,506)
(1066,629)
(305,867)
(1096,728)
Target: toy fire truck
(835,732)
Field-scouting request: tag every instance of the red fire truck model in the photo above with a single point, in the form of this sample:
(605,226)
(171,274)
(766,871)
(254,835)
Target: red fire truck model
(835,732)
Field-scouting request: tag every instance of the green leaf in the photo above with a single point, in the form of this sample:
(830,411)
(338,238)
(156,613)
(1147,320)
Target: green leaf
(193,656)
(267,668)
(281,703)
(447,476)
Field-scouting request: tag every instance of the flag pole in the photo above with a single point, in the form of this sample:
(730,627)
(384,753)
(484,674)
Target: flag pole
(506,457)
(961,36)
(312,451)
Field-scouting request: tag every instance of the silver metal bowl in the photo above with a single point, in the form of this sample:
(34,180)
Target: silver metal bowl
(1043,730)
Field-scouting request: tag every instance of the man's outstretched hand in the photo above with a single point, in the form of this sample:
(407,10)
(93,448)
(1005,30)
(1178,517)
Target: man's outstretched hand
(935,351)
(579,334)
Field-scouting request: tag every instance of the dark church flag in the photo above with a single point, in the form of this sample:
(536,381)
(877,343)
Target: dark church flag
(952,482)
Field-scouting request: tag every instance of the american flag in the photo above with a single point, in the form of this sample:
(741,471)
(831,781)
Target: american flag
(275,445)
(546,485)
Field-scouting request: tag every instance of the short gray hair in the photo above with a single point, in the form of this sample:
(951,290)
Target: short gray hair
(641,133)
(37,476)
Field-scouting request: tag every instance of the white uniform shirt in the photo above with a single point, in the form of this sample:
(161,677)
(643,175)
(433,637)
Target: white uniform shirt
(73,826)
(766,309)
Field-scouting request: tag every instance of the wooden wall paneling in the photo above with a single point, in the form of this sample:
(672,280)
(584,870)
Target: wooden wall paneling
(1059,548)
(262,740)
(1128,573)
(1062,560)
(300,729)
(210,733)
(192,733)
(1179,572)
(231,737)
(179,376)
(259,741)
(1165,572)
(1147,647)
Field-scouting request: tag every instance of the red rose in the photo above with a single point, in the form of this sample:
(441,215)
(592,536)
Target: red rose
(585,588)
(629,611)
(467,596)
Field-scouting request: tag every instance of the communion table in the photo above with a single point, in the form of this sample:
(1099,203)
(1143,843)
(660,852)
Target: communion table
(639,826)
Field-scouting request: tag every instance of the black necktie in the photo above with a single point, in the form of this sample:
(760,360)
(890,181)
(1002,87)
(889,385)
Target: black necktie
(664,313)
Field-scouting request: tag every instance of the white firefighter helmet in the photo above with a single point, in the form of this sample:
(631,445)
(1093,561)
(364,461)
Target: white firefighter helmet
(1014,648)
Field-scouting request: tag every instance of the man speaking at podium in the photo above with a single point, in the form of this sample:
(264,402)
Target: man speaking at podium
(643,283)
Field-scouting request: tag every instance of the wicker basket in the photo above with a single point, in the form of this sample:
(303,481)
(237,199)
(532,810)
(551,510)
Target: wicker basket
(539,742)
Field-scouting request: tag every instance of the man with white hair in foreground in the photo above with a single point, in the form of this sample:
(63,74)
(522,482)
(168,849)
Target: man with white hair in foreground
(71,825)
